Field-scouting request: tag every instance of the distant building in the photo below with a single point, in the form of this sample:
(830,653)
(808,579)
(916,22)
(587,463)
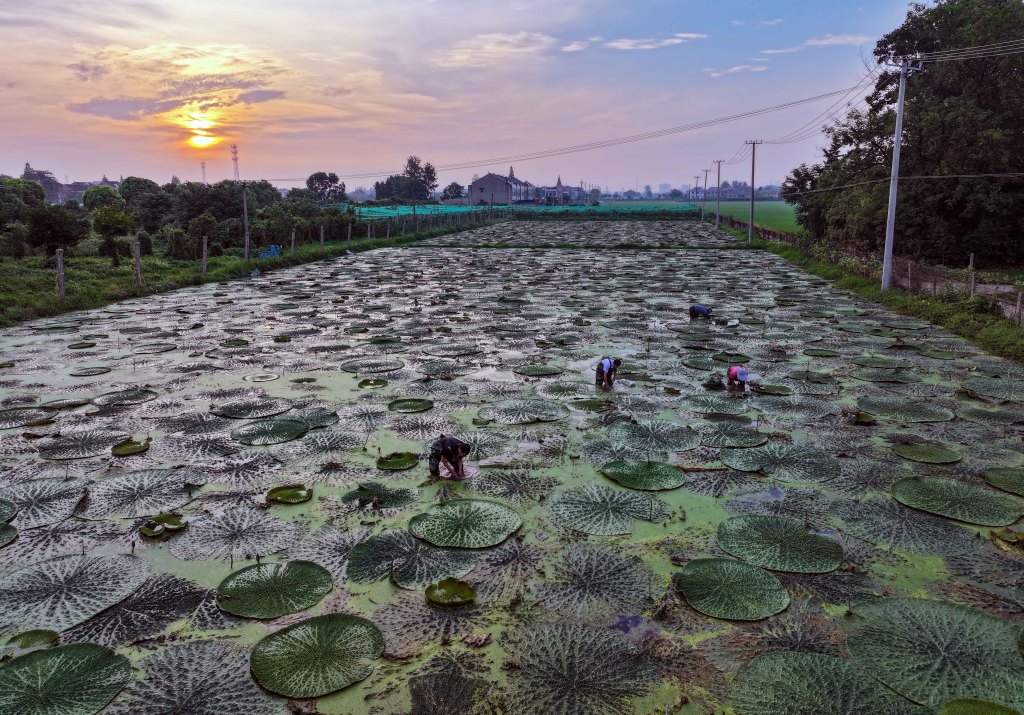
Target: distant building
(76,189)
(664,188)
(495,189)
(632,195)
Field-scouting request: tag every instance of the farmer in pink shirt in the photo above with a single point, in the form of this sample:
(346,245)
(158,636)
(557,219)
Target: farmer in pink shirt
(737,378)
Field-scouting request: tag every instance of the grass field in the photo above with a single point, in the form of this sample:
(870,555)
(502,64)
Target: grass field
(777,215)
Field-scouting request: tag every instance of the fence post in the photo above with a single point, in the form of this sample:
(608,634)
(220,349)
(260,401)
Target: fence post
(293,241)
(350,230)
(1020,306)
(910,275)
(389,229)
(970,268)
(138,264)
(206,247)
(321,237)
(60,272)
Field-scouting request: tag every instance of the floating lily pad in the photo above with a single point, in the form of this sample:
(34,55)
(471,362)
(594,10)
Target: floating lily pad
(1007,479)
(465,524)
(76,679)
(648,476)
(724,588)
(90,371)
(927,452)
(779,543)
(22,416)
(43,501)
(135,494)
(821,352)
(318,656)
(379,496)
(998,416)
(8,534)
(880,361)
(812,684)
(7,510)
(275,589)
(83,345)
(373,383)
(970,706)
(655,436)
(518,412)
(603,511)
(904,410)
(933,651)
(998,388)
(410,405)
(130,448)
(254,408)
(290,494)
(958,500)
(732,434)
(409,562)
(135,396)
(272,431)
(537,370)
(451,592)
(715,404)
(315,417)
(65,591)
(398,461)
(235,533)
(731,358)
(372,365)
(81,444)
(786,462)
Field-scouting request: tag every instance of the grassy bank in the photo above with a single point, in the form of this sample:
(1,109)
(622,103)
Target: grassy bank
(27,286)
(955,312)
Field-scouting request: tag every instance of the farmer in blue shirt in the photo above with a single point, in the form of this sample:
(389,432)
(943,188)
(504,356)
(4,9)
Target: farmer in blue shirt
(604,376)
(700,312)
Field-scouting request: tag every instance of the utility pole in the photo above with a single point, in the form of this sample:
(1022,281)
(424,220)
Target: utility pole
(696,185)
(704,197)
(890,219)
(718,195)
(753,157)
(245,217)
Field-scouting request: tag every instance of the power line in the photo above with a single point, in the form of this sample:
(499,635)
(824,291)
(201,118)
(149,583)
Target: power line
(998,49)
(602,144)
(1012,175)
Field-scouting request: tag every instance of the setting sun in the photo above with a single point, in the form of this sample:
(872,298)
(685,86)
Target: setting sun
(202,140)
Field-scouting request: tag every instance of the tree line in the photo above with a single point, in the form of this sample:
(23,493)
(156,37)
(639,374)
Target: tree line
(173,218)
(961,117)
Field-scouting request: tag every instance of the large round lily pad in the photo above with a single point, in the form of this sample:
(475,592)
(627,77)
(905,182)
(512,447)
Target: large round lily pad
(466,524)
(972,706)
(380,496)
(927,452)
(784,461)
(274,589)
(318,656)
(450,592)
(603,511)
(409,562)
(135,396)
(723,588)
(779,543)
(1006,478)
(410,405)
(999,388)
(958,500)
(537,370)
(812,684)
(272,431)
(81,444)
(520,412)
(934,651)
(647,476)
(21,416)
(135,494)
(253,408)
(62,592)
(655,436)
(397,461)
(76,679)
(904,410)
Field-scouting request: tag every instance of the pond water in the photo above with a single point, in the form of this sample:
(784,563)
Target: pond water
(642,550)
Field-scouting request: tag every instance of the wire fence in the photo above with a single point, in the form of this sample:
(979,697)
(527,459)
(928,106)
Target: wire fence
(909,274)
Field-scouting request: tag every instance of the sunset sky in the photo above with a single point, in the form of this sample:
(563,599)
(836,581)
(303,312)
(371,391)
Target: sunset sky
(152,87)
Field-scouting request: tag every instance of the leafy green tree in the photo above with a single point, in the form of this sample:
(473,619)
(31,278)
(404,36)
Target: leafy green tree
(961,117)
(148,203)
(326,186)
(46,179)
(51,227)
(17,199)
(97,196)
(453,191)
(110,222)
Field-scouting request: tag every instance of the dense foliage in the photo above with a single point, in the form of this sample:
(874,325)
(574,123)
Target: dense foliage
(417,182)
(961,117)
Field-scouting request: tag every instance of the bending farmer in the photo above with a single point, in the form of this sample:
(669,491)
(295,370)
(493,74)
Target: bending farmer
(604,376)
(737,378)
(699,312)
(451,453)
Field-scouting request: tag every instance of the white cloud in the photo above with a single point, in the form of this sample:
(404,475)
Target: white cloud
(488,48)
(830,39)
(650,43)
(736,23)
(769,23)
(714,72)
(579,45)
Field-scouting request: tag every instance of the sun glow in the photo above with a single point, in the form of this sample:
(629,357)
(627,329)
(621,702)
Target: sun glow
(201,141)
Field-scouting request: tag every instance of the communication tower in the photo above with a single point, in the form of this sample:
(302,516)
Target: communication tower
(234,159)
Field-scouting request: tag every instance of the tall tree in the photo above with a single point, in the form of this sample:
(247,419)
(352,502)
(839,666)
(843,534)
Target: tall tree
(52,226)
(97,196)
(453,191)
(961,117)
(327,187)
(110,222)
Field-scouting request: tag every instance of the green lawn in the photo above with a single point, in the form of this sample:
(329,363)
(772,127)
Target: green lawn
(777,215)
